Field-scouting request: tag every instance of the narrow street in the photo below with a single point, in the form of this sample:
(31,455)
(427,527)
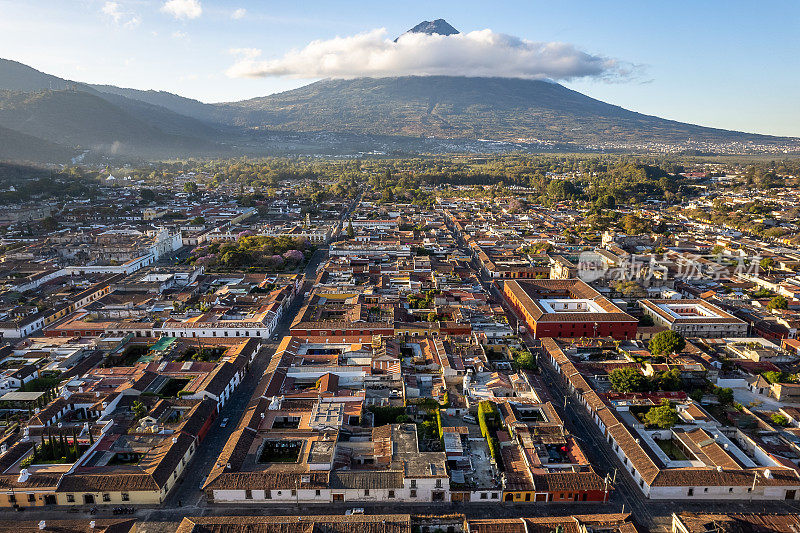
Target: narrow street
(188,493)
(627,497)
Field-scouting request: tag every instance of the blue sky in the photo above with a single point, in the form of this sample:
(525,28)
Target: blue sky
(726,64)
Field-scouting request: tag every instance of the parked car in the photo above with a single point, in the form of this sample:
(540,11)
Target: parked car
(357,510)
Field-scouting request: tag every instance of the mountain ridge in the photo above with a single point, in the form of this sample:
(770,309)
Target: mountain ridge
(62,115)
(71,114)
(468,107)
(432,27)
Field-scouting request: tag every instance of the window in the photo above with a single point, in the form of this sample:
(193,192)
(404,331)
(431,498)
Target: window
(318,492)
(106,497)
(31,497)
(483,495)
(391,494)
(294,492)
(413,483)
(730,489)
(126,497)
(248,494)
(366,492)
(12,498)
(268,494)
(705,489)
(438,483)
(71,498)
(691,492)
(495,495)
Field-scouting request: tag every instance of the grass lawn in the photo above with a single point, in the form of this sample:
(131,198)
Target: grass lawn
(672,450)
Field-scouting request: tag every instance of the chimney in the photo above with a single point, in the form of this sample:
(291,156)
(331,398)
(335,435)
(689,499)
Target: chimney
(24,474)
(42,524)
(91,524)
(174,440)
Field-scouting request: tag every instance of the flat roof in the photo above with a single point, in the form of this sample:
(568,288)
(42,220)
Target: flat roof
(18,396)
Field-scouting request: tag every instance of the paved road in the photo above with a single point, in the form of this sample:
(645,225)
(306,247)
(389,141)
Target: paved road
(188,492)
(653,514)
(626,496)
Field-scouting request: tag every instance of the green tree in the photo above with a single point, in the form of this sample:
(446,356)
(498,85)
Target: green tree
(779,419)
(49,224)
(663,416)
(147,195)
(606,202)
(626,380)
(561,190)
(670,380)
(767,264)
(666,343)
(630,289)
(773,376)
(724,395)
(778,302)
(190,187)
(350,232)
(139,409)
(524,360)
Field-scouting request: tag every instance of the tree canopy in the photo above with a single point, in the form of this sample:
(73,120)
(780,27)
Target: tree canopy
(628,380)
(663,416)
(666,343)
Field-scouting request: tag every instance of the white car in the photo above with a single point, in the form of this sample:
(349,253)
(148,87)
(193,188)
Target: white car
(357,510)
(471,419)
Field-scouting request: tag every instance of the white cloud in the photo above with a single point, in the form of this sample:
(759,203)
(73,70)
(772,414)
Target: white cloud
(478,53)
(239,13)
(177,34)
(112,9)
(120,16)
(133,22)
(183,9)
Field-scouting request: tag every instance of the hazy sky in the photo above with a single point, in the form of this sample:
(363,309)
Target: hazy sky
(727,64)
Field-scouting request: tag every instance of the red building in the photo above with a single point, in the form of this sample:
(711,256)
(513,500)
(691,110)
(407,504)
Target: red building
(567,308)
